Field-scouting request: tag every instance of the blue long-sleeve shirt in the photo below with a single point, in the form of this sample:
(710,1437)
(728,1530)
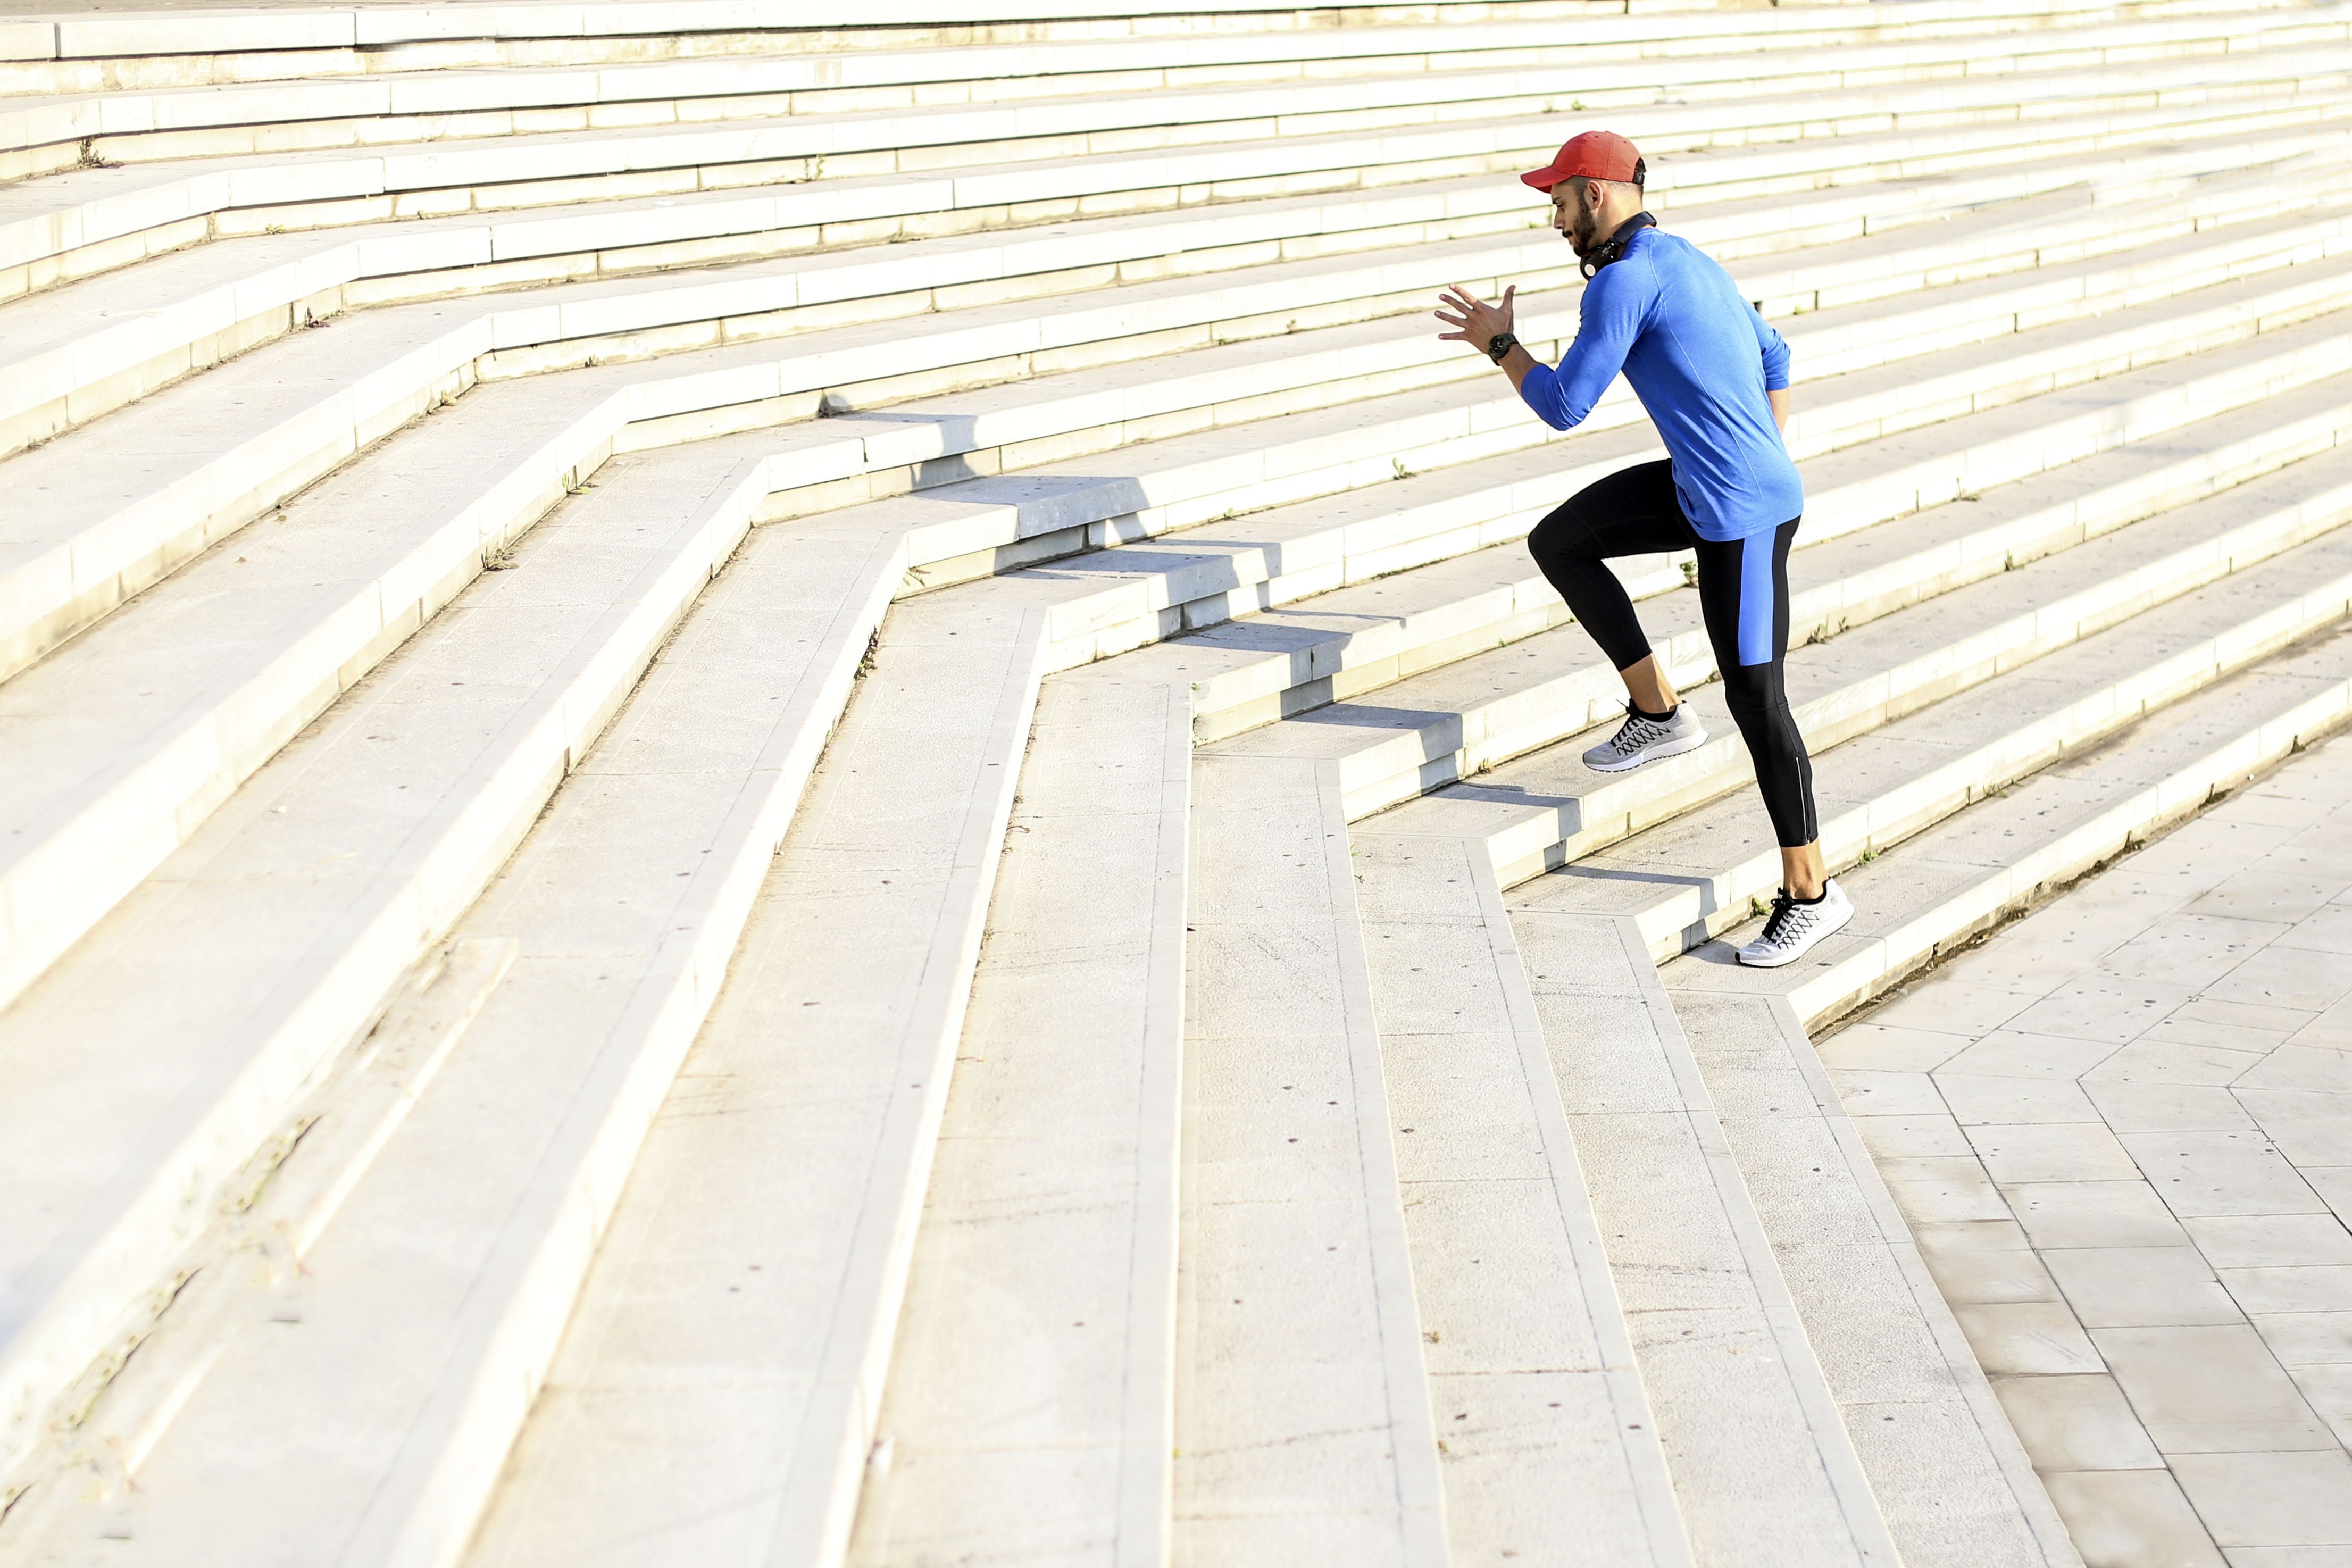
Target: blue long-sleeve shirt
(1701,360)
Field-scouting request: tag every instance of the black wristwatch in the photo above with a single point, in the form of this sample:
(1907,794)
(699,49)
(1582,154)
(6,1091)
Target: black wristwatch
(1499,346)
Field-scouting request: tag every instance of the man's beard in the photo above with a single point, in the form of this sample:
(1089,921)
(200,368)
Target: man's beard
(1583,234)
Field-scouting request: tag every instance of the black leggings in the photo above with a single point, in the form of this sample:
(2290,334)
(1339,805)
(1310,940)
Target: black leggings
(1743,593)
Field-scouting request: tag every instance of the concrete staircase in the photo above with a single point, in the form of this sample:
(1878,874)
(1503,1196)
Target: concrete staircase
(793,796)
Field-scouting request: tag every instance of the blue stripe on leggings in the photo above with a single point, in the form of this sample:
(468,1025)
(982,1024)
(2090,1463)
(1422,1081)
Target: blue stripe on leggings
(1756,617)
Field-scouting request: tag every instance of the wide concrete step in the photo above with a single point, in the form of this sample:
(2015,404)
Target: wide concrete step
(283,115)
(289,915)
(827,1048)
(1305,1427)
(1091,150)
(1494,1475)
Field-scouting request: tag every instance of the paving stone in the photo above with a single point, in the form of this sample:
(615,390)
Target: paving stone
(2076,1423)
(2307,1338)
(2093,1214)
(2133,1519)
(2051,1151)
(2210,1389)
(2015,1053)
(2115,1285)
(2027,1338)
(2271,1500)
(2271,1241)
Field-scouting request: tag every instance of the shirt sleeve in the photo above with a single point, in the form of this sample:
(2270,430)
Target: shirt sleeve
(1610,318)
(1775,349)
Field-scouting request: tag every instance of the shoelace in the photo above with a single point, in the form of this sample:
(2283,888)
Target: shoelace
(1786,912)
(1639,731)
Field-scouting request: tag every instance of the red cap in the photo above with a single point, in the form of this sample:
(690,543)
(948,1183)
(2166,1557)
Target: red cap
(1594,155)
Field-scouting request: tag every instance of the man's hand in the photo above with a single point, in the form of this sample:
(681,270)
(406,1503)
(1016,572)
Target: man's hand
(1478,322)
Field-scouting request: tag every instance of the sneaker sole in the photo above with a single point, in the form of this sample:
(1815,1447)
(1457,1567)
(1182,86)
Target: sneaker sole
(1654,754)
(1819,937)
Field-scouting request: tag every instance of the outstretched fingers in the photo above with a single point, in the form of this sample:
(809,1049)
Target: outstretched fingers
(1463,301)
(1473,318)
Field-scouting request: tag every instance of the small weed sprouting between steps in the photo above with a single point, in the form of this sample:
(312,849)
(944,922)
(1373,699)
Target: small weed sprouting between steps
(90,158)
(865,659)
(502,559)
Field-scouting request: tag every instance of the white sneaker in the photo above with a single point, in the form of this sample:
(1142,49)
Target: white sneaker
(1793,928)
(1642,739)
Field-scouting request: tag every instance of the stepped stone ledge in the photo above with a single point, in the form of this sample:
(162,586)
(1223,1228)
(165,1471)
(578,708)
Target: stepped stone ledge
(784,787)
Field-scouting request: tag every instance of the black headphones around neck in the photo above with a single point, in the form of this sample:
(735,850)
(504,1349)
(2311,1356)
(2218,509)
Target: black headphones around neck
(1610,249)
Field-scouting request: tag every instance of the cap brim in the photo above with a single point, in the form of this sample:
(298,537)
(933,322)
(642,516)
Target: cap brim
(1541,179)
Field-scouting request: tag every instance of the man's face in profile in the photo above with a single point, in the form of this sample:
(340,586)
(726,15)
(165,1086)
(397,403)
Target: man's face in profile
(1578,219)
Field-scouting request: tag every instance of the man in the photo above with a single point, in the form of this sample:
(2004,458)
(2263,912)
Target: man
(1713,379)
